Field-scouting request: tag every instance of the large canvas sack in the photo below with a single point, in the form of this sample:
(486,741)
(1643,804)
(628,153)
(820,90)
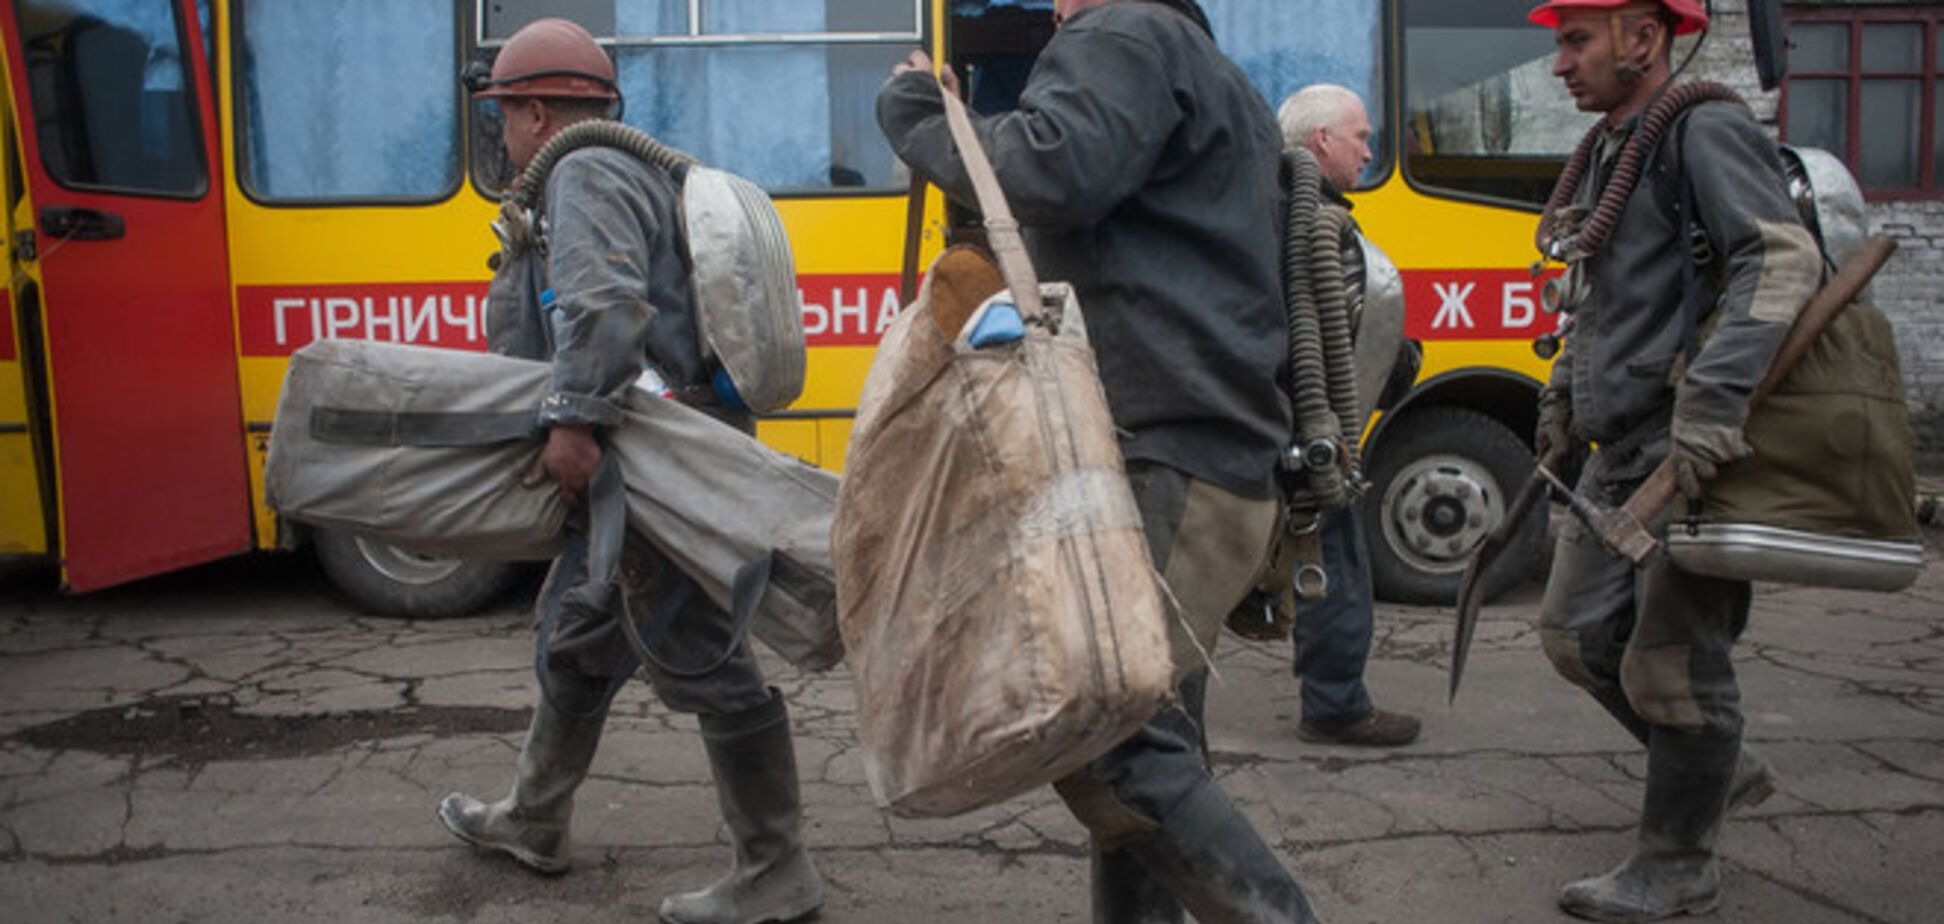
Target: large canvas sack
(427,449)
(1001,617)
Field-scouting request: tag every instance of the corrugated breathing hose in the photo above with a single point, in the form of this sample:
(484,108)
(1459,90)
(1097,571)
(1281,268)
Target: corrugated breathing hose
(1319,431)
(593,133)
(1590,237)
(1333,305)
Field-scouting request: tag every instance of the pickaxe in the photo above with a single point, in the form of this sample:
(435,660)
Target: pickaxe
(1623,531)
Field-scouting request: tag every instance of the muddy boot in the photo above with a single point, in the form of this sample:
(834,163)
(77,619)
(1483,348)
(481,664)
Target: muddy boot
(531,822)
(1124,893)
(1673,870)
(754,765)
(1211,859)
(1754,782)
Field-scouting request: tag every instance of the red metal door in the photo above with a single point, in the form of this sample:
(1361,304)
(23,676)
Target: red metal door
(118,138)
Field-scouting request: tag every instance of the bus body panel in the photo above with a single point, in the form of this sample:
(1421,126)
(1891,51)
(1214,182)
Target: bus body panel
(140,351)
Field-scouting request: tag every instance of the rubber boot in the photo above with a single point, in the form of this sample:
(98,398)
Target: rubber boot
(754,764)
(1124,893)
(1754,782)
(1213,862)
(531,822)
(1673,870)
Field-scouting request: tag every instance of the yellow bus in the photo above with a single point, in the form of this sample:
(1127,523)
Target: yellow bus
(197,188)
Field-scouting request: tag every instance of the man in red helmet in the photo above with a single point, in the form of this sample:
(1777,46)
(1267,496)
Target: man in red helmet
(1678,314)
(596,281)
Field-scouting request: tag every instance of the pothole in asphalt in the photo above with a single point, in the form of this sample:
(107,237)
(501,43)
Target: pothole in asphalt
(199,729)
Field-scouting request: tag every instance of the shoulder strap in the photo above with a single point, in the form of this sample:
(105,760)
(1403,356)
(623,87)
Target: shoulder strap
(1002,230)
(1687,215)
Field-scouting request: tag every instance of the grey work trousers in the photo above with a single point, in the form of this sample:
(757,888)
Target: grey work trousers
(700,665)
(1653,645)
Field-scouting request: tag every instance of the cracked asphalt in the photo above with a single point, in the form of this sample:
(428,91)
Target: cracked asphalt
(233,743)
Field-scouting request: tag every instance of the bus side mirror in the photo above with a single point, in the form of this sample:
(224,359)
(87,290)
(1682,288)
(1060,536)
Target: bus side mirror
(1771,42)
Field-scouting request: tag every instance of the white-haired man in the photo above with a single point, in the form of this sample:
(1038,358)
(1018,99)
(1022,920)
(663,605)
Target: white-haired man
(1332,635)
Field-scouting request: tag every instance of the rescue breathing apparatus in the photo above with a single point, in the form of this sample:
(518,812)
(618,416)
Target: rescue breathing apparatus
(1327,270)
(748,326)
(1322,469)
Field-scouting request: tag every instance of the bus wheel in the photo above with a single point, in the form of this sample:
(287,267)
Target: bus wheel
(389,581)
(1441,481)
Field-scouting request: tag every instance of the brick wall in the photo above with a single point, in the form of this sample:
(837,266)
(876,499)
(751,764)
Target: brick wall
(1911,288)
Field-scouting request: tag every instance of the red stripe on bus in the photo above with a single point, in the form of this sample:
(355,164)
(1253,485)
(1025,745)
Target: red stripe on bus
(1475,304)
(838,310)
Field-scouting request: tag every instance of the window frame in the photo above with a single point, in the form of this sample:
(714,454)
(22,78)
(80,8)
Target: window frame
(199,132)
(697,37)
(241,157)
(1930,183)
(474,32)
(1428,188)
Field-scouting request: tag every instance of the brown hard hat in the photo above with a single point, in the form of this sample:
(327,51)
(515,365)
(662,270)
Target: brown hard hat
(1689,15)
(551,58)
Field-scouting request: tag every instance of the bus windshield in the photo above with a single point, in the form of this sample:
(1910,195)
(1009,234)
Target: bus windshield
(1484,115)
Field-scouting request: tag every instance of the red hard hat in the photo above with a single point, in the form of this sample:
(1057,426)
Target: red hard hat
(553,58)
(1689,13)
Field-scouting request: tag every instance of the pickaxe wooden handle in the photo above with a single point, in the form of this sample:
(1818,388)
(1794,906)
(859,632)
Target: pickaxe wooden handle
(1624,530)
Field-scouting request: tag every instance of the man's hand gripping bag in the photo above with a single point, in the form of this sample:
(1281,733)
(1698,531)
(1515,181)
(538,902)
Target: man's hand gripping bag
(1001,617)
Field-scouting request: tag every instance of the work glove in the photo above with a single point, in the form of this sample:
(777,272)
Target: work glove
(1699,451)
(1555,428)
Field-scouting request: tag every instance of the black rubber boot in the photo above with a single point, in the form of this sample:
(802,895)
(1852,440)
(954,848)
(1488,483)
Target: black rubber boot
(754,764)
(531,822)
(1124,893)
(1213,862)
(1673,870)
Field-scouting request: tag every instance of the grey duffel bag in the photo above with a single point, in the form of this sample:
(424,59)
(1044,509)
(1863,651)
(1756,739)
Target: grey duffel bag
(426,449)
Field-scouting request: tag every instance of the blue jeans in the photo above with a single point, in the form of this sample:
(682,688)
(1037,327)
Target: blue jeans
(1332,635)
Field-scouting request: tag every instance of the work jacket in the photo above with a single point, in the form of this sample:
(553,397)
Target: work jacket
(1143,167)
(604,289)
(1625,364)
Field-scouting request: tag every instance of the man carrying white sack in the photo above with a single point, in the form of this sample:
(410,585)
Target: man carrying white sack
(1166,219)
(596,281)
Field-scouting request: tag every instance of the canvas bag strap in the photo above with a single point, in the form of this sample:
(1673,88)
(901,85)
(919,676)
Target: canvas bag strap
(1002,231)
(914,238)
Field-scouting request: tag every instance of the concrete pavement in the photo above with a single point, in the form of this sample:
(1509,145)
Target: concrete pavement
(233,744)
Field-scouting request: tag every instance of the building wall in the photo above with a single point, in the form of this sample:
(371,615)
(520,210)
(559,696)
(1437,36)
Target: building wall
(1911,288)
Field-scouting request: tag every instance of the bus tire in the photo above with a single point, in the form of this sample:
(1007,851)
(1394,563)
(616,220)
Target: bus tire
(1441,480)
(385,580)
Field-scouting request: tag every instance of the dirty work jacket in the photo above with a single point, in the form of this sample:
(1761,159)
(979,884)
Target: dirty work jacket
(619,272)
(1624,362)
(1143,166)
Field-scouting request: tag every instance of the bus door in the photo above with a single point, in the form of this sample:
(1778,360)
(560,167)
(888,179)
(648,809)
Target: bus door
(117,134)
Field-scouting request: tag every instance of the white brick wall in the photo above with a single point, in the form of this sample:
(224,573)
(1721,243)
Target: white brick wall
(1911,288)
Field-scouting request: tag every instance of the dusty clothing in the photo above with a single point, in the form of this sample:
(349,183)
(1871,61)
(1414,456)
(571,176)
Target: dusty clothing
(607,291)
(1143,167)
(1623,365)
(614,280)
(1653,645)
(1626,373)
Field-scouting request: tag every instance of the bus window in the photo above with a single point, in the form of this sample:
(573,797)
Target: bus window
(110,90)
(1484,115)
(1284,47)
(783,94)
(343,104)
